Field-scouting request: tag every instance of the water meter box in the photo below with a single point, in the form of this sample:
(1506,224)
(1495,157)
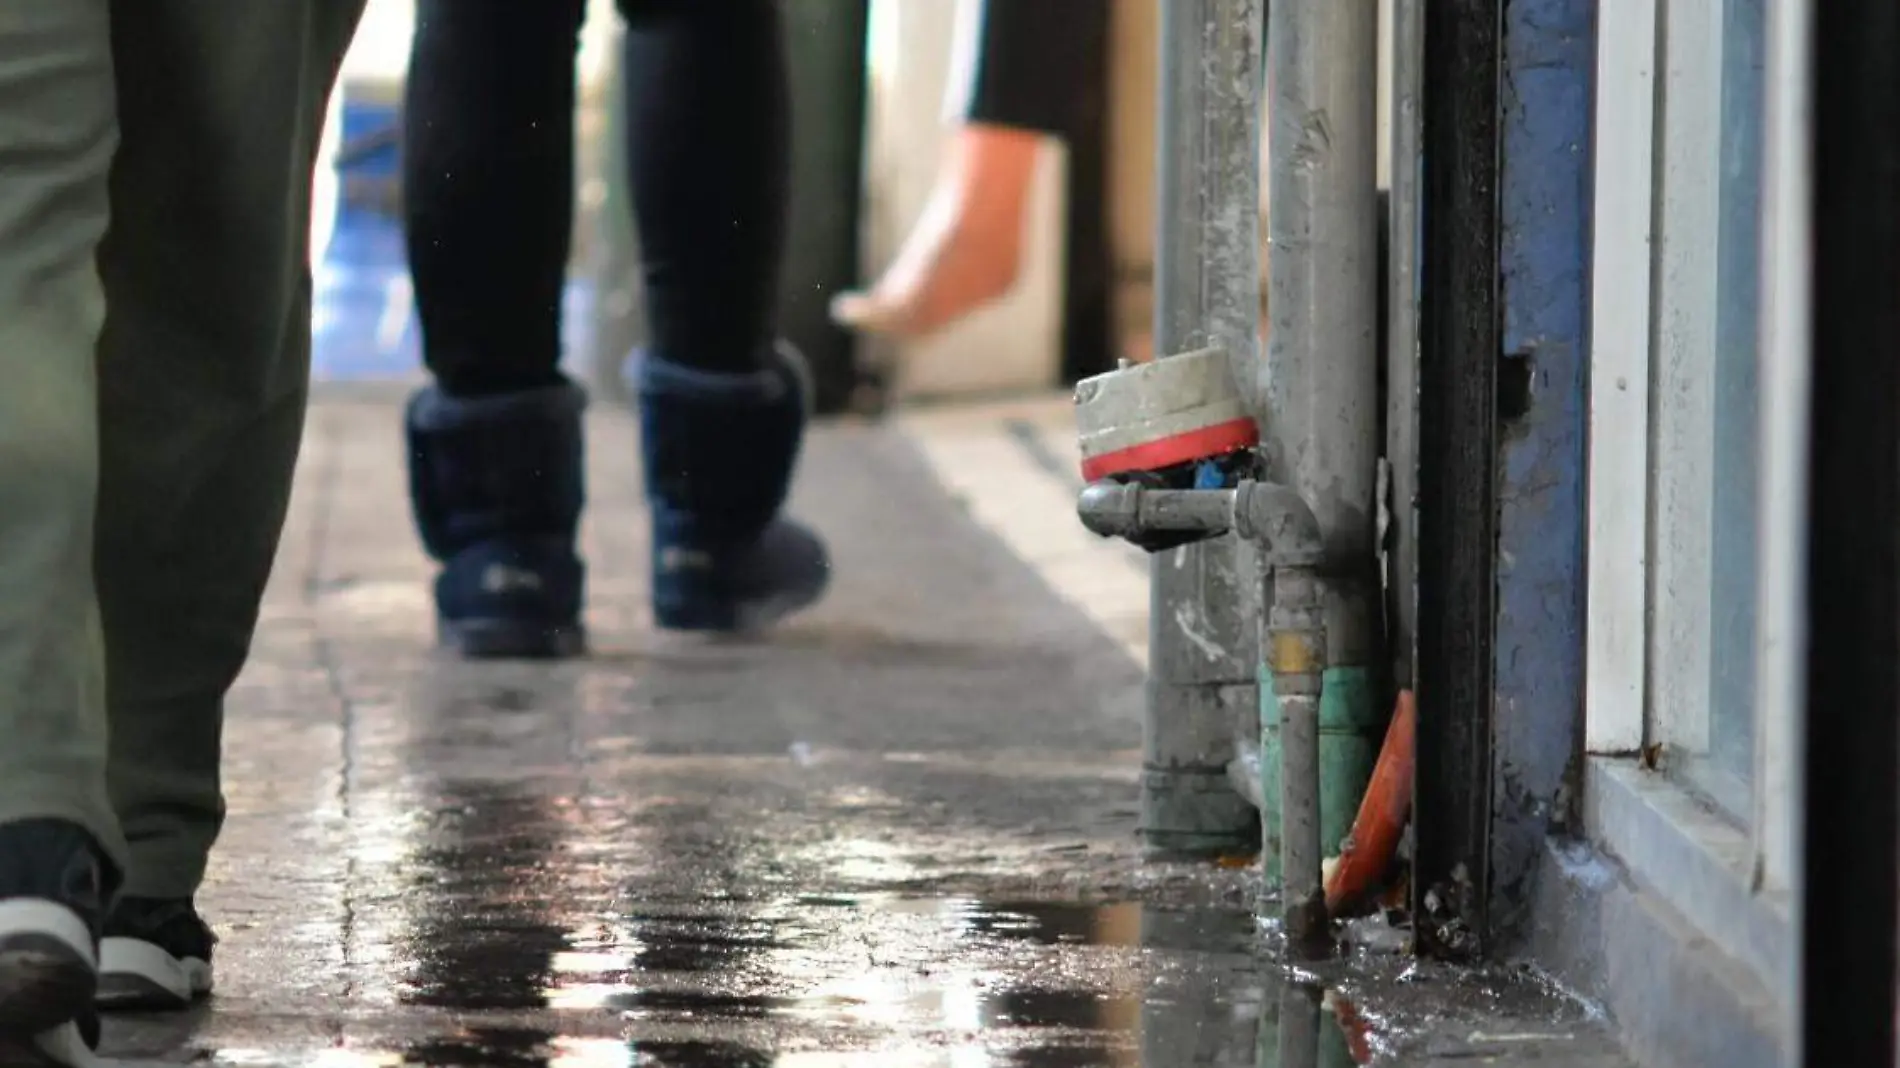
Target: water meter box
(1175,423)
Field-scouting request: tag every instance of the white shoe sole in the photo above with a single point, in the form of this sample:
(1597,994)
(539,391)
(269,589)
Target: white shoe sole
(46,966)
(135,974)
(27,915)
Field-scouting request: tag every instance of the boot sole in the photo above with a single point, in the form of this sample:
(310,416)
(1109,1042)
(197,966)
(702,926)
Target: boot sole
(495,639)
(47,971)
(749,617)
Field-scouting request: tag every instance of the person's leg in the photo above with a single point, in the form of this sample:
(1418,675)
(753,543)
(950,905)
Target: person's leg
(203,368)
(488,188)
(57,133)
(709,118)
(495,448)
(966,249)
(723,407)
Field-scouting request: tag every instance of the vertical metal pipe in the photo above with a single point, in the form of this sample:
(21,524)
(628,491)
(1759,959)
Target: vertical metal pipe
(1295,650)
(1320,380)
(1203,618)
(1401,324)
(1319,386)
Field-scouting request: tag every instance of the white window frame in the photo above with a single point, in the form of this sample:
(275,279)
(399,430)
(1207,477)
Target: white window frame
(1652,349)
(1616,632)
(1786,373)
(1687,210)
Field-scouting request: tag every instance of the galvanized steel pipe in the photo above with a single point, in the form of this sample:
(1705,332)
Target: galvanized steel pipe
(1203,618)
(1295,651)
(1319,389)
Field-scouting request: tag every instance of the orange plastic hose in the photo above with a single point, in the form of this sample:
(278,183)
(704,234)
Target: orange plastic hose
(1380,824)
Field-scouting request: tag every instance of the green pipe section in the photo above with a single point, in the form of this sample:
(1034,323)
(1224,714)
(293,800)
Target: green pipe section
(1352,722)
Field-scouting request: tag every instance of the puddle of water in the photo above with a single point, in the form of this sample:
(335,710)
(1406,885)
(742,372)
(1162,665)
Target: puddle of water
(868,980)
(503,938)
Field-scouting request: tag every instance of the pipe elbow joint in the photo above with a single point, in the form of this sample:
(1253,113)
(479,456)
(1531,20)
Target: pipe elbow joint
(1279,518)
(1109,509)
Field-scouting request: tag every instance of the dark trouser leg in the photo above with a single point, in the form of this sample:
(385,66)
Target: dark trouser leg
(155,388)
(58,126)
(203,367)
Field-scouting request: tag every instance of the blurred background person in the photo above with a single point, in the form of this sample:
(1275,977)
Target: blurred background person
(966,249)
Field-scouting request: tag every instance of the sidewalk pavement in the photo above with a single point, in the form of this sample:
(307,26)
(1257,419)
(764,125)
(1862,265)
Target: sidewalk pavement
(898,833)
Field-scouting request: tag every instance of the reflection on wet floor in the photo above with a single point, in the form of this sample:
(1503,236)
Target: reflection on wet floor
(510,929)
(805,982)
(524,942)
(509,903)
(984,983)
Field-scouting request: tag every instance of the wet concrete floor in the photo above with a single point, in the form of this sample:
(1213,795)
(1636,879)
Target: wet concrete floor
(899,833)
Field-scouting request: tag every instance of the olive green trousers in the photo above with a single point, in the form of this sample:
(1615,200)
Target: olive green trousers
(155,170)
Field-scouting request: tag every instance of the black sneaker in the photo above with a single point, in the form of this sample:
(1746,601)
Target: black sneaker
(156,955)
(52,897)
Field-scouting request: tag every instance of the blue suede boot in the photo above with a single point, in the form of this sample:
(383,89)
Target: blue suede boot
(719,452)
(496,483)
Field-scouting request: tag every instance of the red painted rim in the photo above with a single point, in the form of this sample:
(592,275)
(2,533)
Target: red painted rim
(1216,440)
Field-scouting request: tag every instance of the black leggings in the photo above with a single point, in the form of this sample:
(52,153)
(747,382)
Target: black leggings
(488,173)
